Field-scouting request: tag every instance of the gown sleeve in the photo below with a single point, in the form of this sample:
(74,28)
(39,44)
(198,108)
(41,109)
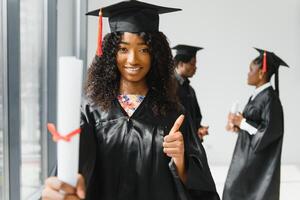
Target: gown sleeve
(87,149)
(197,111)
(199,183)
(271,127)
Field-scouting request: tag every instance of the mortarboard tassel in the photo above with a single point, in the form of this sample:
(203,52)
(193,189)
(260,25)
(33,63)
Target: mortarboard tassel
(264,67)
(99,47)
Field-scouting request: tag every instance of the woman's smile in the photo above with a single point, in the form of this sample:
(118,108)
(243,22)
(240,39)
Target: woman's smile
(133,70)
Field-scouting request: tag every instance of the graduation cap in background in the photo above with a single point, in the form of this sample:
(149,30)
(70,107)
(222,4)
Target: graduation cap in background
(270,64)
(182,49)
(130,16)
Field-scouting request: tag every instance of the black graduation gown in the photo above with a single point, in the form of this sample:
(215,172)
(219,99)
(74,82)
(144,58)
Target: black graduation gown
(188,99)
(123,158)
(254,173)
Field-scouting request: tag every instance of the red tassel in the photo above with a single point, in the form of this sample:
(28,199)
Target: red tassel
(264,67)
(99,47)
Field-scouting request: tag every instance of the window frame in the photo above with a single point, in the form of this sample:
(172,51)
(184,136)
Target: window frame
(10,20)
(12,94)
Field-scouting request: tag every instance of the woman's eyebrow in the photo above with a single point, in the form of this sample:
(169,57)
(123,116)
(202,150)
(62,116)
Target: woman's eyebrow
(127,43)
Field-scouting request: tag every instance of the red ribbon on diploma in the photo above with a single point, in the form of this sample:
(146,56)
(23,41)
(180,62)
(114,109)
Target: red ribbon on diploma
(57,136)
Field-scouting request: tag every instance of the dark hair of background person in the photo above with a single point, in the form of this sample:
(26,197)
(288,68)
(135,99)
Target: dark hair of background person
(182,58)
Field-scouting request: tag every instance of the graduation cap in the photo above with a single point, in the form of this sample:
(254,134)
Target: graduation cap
(270,64)
(187,50)
(130,16)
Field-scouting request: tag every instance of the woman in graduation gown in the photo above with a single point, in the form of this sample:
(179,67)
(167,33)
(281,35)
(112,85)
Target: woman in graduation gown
(135,143)
(254,172)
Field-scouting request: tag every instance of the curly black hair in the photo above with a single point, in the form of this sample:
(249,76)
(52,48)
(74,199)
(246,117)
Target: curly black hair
(103,81)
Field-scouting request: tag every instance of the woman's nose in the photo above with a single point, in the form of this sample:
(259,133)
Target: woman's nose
(132,58)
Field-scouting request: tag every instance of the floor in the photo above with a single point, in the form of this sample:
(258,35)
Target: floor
(290,180)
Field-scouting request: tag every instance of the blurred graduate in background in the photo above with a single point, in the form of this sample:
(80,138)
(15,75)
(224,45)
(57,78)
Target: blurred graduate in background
(254,173)
(185,67)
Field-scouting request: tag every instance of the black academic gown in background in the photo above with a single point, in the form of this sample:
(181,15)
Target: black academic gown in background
(122,158)
(188,99)
(254,172)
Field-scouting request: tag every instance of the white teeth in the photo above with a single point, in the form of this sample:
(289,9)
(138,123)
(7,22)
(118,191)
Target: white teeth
(133,68)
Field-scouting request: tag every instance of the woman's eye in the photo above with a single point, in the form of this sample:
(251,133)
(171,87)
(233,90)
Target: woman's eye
(144,50)
(122,50)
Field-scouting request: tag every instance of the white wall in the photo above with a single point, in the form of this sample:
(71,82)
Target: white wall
(228,30)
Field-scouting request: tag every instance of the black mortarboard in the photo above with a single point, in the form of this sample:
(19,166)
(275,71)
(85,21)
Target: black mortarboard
(132,16)
(270,64)
(188,50)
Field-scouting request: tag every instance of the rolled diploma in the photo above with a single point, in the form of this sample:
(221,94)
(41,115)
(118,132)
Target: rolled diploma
(234,107)
(68,117)
(234,110)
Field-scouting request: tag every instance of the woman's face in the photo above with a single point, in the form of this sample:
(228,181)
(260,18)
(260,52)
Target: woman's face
(190,67)
(187,69)
(253,74)
(133,58)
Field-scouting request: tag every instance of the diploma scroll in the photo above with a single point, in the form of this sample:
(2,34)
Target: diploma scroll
(233,110)
(68,118)
(235,107)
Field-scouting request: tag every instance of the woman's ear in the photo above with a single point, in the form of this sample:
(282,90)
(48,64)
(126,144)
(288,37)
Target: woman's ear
(179,64)
(179,67)
(260,74)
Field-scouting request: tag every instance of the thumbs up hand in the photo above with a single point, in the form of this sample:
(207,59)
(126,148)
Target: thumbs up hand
(173,146)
